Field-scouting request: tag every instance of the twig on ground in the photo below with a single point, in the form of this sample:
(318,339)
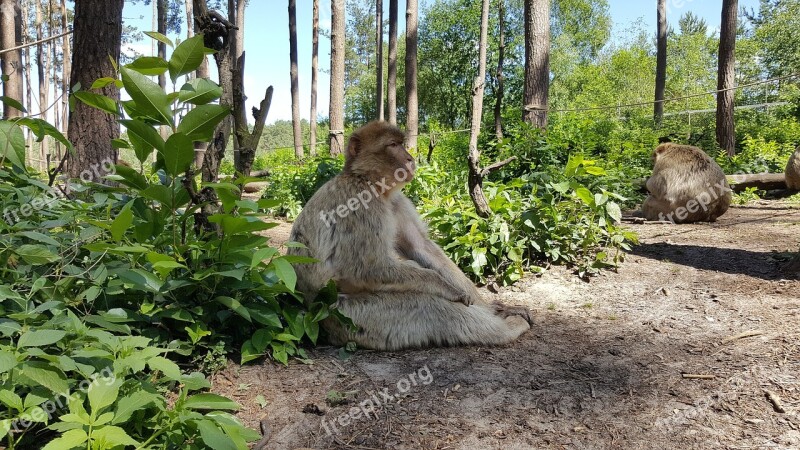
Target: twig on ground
(773,398)
(746,334)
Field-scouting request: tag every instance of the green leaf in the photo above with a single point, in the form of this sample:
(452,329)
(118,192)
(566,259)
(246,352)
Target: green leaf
(149,97)
(103,393)
(200,91)
(129,404)
(178,154)
(12,144)
(200,122)
(68,440)
(213,437)
(7,361)
(159,37)
(585,195)
(285,273)
(98,101)
(40,338)
(122,222)
(100,83)
(129,177)
(614,211)
(111,437)
(11,399)
(141,280)
(144,138)
(12,103)
(210,401)
(235,305)
(45,376)
(149,65)
(187,57)
(167,367)
(42,128)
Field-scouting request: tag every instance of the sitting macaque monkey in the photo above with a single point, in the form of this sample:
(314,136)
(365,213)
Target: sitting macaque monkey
(397,286)
(687,186)
(793,171)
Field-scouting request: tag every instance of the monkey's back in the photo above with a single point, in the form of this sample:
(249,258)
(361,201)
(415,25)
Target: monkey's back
(793,171)
(683,173)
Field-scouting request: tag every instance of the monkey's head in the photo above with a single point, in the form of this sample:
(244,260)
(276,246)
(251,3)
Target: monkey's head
(377,152)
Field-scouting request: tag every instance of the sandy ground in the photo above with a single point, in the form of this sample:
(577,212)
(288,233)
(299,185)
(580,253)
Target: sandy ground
(609,363)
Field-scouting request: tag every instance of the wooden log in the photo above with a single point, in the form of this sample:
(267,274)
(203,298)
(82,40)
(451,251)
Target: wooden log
(256,186)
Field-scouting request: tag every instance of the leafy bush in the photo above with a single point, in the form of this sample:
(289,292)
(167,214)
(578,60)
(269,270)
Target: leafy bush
(104,291)
(292,184)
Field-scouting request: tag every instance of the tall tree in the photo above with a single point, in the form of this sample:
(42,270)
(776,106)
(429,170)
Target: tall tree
(391,82)
(475,179)
(65,67)
(661,60)
(412,105)
(312,134)
(537,62)
(336,110)
(379,57)
(295,85)
(501,50)
(42,56)
(726,137)
(10,23)
(161,24)
(97,33)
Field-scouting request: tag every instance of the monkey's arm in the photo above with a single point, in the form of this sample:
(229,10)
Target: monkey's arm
(413,243)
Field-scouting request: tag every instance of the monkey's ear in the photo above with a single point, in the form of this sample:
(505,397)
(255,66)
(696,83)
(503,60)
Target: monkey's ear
(662,148)
(354,145)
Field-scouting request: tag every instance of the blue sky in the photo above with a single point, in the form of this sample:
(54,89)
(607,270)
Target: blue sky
(267,43)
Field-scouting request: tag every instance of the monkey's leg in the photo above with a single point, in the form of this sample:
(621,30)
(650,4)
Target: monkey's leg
(393,321)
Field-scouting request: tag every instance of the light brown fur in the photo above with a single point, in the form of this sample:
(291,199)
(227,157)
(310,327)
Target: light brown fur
(793,171)
(396,284)
(686,186)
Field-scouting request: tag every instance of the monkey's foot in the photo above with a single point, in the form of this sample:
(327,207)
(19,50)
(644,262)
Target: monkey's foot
(506,311)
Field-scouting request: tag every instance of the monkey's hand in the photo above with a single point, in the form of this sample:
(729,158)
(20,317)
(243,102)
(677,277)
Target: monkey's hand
(503,310)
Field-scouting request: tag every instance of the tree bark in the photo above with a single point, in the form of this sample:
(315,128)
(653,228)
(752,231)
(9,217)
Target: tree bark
(10,23)
(42,77)
(501,50)
(412,105)
(475,179)
(297,131)
(726,136)
(379,58)
(161,19)
(336,133)
(312,120)
(661,61)
(537,62)
(97,34)
(391,81)
(65,68)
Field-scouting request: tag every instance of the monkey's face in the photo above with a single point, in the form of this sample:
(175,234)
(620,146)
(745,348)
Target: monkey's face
(399,160)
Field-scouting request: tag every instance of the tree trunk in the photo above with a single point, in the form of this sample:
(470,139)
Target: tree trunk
(537,62)
(661,61)
(201,72)
(40,66)
(65,68)
(161,18)
(379,58)
(297,131)
(97,34)
(412,105)
(726,137)
(312,122)
(391,82)
(475,179)
(10,18)
(336,132)
(501,50)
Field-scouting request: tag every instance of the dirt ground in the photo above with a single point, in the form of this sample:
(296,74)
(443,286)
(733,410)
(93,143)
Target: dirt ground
(677,349)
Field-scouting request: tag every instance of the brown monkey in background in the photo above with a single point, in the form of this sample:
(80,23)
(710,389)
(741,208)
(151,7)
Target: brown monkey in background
(396,285)
(793,171)
(686,186)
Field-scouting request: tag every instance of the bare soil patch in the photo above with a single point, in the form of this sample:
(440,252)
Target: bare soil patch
(604,366)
